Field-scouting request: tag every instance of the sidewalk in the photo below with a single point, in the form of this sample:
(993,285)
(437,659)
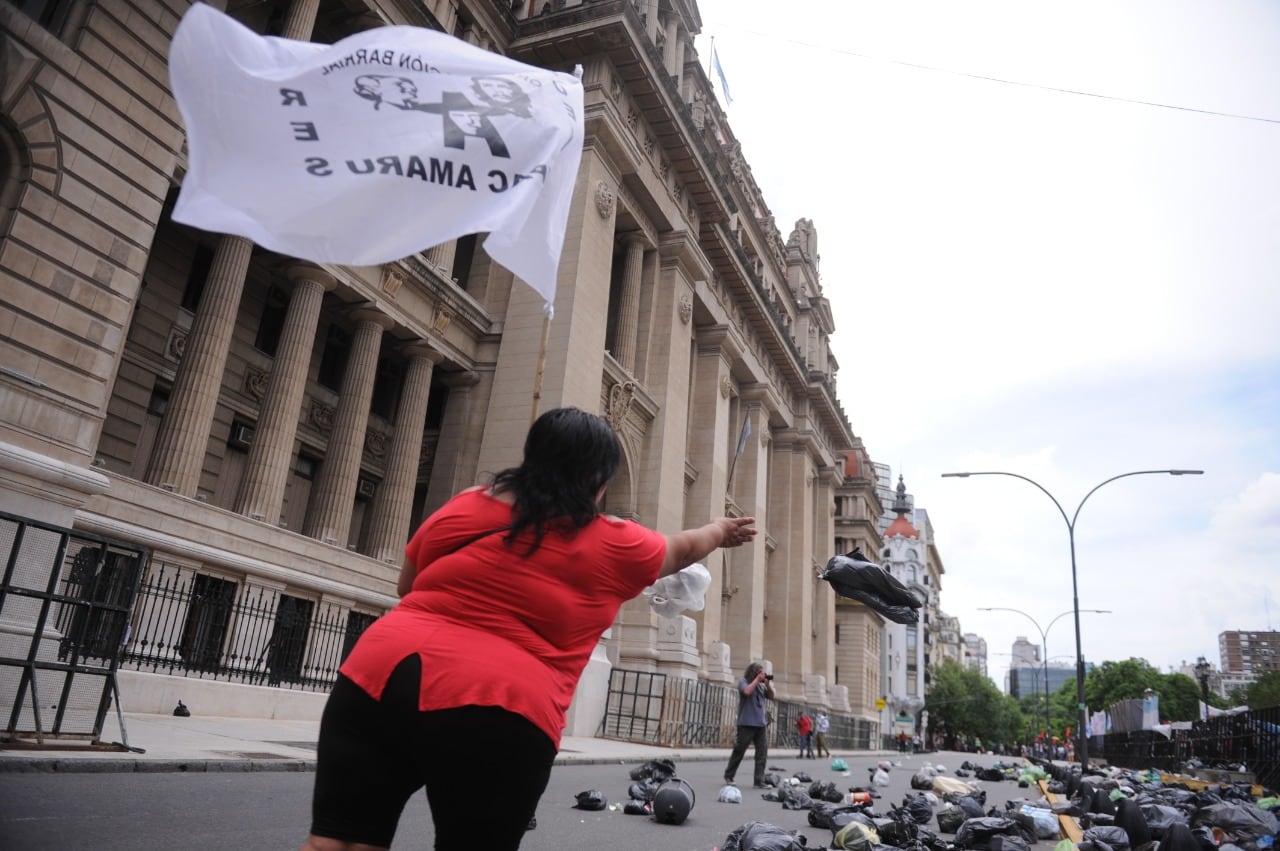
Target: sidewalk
(249,744)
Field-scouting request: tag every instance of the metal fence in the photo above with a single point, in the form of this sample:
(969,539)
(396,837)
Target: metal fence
(192,624)
(677,712)
(65,598)
(1250,739)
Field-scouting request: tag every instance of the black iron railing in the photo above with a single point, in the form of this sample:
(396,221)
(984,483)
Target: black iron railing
(192,624)
(682,713)
(1249,741)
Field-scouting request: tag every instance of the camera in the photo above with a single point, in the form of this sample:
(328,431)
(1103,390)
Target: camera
(768,676)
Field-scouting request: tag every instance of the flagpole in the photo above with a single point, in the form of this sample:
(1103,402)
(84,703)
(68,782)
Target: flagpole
(542,361)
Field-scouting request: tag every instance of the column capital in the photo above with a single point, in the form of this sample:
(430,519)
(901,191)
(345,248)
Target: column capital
(374,316)
(461,380)
(304,271)
(423,349)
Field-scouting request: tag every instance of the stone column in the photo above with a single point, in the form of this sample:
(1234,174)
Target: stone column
(300,20)
(334,493)
(629,304)
(441,256)
(183,438)
(261,495)
(178,455)
(393,503)
(744,583)
(708,452)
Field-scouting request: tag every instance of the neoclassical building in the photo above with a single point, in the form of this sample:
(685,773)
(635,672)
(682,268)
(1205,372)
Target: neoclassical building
(269,430)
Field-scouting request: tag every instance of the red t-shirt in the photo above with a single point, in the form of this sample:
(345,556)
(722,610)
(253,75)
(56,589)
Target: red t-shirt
(804,724)
(497,628)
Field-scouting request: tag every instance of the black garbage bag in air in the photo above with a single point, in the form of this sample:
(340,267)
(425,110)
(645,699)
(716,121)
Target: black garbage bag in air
(762,836)
(857,578)
(1130,818)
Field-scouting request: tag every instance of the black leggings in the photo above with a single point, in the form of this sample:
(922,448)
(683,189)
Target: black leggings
(484,768)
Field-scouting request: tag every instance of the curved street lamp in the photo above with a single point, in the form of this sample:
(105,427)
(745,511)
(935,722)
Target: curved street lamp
(1044,647)
(1082,748)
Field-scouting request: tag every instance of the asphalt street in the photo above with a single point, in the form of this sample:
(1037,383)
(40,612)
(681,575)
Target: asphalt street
(270,810)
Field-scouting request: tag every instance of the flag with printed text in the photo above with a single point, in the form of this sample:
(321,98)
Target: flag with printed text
(377,147)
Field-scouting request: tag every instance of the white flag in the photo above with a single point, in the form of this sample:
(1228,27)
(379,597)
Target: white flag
(377,147)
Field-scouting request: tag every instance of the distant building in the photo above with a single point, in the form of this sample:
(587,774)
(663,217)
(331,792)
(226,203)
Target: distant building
(1249,652)
(975,652)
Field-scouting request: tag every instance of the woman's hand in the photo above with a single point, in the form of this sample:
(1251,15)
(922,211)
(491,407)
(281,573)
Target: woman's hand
(737,530)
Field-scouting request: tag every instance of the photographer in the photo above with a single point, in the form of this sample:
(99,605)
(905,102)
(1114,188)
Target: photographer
(754,689)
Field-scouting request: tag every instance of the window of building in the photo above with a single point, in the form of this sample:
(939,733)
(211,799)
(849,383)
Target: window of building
(271,323)
(386,388)
(333,361)
(208,618)
(306,467)
(53,15)
(197,275)
(288,642)
(159,401)
(437,401)
(464,256)
(357,623)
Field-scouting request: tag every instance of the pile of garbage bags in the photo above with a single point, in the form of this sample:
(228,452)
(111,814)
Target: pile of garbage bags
(1117,810)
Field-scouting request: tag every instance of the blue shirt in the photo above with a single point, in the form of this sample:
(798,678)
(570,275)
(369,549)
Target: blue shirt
(751,707)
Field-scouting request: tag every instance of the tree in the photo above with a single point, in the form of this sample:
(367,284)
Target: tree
(1179,698)
(963,701)
(1114,681)
(1265,692)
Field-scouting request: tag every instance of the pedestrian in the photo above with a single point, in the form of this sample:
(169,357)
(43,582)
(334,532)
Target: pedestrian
(755,689)
(821,725)
(804,726)
(917,743)
(505,591)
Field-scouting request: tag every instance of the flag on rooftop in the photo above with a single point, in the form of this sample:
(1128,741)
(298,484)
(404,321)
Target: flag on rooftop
(382,145)
(719,69)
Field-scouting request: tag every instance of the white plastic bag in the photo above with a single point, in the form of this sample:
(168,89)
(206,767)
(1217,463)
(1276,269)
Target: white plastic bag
(683,591)
(730,794)
(880,777)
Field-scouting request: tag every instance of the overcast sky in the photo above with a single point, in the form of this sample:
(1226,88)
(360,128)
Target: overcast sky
(1068,286)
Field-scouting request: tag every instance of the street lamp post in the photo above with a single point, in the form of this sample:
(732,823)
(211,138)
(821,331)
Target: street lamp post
(1202,674)
(1082,747)
(1044,647)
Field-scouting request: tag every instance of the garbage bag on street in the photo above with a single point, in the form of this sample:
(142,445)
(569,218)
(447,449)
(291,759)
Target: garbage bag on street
(637,808)
(856,836)
(1008,842)
(880,777)
(1238,819)
(950,818)
(1130,819)
(682,591)
(856,577)
(950,785)
(838,764)
(592,799)
(835,816)
(1112,837)
(658,769)
(1045,822)
(1160,818)
(918,809)
(977,832)
(730,794)
(762,836)
(643,790)
(820,791)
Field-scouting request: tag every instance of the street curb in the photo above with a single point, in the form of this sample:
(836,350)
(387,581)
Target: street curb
(131,765)
(150,766)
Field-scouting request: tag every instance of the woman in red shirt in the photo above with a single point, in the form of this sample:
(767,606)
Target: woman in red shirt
(505,592)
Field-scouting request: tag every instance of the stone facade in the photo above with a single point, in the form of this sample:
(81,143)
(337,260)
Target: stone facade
(273,423)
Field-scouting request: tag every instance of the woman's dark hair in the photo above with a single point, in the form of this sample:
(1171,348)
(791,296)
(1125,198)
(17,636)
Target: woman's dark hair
(569,455)
(752,669)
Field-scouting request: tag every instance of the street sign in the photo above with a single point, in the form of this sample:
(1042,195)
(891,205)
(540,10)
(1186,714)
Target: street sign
(880,704)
